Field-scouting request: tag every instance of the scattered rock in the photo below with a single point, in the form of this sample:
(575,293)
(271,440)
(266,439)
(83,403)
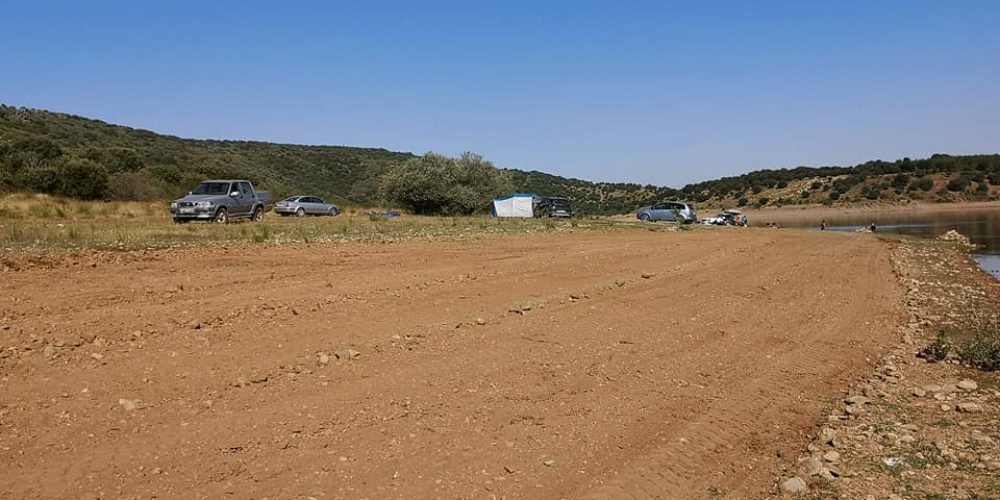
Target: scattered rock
(827,436)
(945,407)
(794,485)
(196,325)
(549,463)
(857,400)
(98,356)
(832,457)
(347,354)
(323,358)
(918,392)
(809,467)
(260,379)
(969,407)
(480,321)
(968,385)
(129,404)
(647,276)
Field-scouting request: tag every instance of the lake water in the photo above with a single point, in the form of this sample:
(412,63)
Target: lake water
(982,226)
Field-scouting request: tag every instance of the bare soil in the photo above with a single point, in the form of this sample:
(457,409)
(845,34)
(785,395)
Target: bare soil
(618,364)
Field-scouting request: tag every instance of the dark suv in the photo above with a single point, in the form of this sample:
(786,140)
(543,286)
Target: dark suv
(554,207)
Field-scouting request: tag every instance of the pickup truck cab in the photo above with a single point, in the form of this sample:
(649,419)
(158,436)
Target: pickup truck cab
(221,201)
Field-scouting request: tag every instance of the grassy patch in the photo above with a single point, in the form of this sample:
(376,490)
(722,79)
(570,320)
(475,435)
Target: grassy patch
(39,224)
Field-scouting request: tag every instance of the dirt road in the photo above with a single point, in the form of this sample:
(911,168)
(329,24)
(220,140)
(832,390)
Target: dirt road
(618,364)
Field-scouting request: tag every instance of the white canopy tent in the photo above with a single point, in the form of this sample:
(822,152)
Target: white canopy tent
(516,205)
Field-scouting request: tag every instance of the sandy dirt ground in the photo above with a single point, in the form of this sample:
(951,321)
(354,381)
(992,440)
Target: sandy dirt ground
(619,364)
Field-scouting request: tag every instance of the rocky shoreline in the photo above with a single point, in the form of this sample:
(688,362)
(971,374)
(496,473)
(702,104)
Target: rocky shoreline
(914,428)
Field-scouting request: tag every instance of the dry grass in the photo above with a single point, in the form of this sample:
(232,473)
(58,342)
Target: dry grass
(41,224)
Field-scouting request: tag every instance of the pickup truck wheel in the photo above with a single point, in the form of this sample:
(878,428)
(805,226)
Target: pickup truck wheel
(300,213)
(221,217)
(258,215)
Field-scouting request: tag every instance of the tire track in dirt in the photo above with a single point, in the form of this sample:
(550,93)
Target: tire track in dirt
(604,384)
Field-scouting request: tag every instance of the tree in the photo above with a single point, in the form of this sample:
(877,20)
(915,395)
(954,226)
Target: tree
(82,178)
(437,185)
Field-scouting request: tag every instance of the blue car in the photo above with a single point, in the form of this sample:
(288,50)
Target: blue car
(673,211)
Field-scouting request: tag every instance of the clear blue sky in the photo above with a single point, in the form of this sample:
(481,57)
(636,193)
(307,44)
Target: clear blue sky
(653,92)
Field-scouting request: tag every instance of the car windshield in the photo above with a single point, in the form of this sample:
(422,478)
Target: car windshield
(212,188)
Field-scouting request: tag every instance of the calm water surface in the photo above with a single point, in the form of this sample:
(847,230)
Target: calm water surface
(982,226)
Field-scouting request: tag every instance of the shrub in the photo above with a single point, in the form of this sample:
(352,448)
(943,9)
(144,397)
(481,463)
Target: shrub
(926,184)
(834,195)
(874,193)
(805,194)
(960,183)
(899,181)
(983,349)
(82,178)
(437,185)
(816,185)
(742,202)
(938,350)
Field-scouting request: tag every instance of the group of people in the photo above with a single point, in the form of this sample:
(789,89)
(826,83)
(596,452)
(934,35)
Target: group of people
(873,228)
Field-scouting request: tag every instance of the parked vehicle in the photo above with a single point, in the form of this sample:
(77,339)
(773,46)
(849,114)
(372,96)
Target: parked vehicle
(221,201)
(553,206)
(725,218)
(301,206)
(669,211)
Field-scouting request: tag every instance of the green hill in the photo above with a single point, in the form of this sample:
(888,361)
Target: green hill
(72,156)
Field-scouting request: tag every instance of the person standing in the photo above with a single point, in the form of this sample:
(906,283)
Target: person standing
(745,224)
(822,225)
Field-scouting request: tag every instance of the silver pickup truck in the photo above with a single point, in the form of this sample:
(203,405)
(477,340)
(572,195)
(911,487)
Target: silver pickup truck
(221,201)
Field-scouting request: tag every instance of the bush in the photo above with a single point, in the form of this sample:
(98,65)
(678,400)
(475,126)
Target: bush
(82,178)
(874,193)
(834,195)
(816,185)
(960,183)
(926,184)
(804,194)
(899,181)
(938,350)
(983,349)
(742,202)
(437,185)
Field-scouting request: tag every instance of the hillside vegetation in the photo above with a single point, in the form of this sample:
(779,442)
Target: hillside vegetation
(54,153)
(60,154)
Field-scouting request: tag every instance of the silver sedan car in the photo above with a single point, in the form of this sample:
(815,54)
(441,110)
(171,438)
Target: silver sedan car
(301,206)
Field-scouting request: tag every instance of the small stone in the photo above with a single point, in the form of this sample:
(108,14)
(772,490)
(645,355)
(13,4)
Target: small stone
(259,379)
(549,463)
(480,321)
(647,276)
(323,358)
(932,388)
(945,407)
(347,354)
(98,356)
(969,407)
(832,456)
(968,385)
(794,485)
(809,467)
(828,436)
(857,400)
(295,312)
(129,404)
(196,325)
(918,392)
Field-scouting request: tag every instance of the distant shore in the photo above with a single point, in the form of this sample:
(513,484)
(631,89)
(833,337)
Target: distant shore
(797,214)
